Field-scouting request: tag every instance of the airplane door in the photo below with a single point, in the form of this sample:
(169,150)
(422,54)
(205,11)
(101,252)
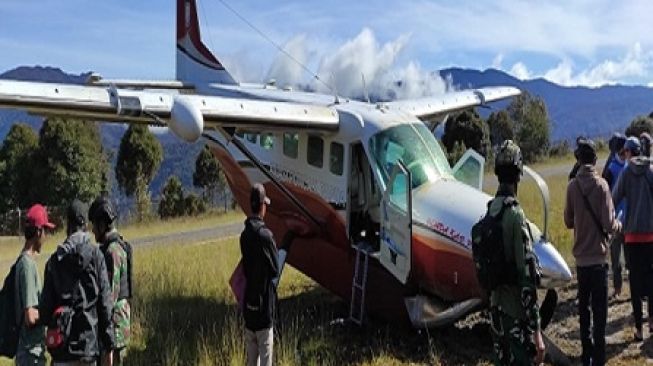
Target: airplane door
(396,223)
(470,168)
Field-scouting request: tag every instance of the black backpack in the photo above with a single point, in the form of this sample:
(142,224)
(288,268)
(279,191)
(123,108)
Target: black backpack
(493,269)
(9,326)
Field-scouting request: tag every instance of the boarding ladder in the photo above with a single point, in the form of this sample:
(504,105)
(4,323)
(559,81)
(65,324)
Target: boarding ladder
(359,282)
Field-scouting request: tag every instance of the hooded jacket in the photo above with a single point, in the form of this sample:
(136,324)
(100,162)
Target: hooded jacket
(635,185)
(260,262)
(76,277)
(590,242)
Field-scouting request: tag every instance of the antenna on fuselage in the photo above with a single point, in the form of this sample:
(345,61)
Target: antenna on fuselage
(335,90)
(366,94)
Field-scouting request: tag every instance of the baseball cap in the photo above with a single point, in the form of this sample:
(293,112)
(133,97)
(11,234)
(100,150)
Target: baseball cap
(37,216)
(257,196)
(633,145)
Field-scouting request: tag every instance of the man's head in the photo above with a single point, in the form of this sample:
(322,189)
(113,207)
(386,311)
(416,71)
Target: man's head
(103,216)
(258,200)
(585,152)
(76,217)
(616,142)
(646,141)
(508,164)
(36,223)
(632,147)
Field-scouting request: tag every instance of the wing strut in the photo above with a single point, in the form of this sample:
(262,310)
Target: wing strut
(243,149)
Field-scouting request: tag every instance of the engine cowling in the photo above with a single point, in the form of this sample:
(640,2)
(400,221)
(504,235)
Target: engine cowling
(186,120)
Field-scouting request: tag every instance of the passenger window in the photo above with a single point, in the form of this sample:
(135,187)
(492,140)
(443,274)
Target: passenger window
(251,137)
(336,158)
(267,141)
(315,151)
(290,145)
(240,134)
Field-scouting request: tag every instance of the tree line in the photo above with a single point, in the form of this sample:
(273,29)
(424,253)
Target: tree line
(525,121)
(66,160)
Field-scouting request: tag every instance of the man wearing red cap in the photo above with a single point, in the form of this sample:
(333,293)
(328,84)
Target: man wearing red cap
(31,348)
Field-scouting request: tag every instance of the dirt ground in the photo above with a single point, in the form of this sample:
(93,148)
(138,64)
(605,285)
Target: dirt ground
(621,348)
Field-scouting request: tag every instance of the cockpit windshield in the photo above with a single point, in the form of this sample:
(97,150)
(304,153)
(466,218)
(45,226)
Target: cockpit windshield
(416,146)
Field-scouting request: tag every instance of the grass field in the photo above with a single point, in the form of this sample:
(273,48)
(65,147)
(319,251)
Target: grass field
(184,312)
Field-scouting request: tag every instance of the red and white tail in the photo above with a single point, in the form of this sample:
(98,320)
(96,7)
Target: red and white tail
(195,63)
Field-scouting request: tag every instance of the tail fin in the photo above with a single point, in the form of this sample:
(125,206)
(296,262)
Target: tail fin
(195,63)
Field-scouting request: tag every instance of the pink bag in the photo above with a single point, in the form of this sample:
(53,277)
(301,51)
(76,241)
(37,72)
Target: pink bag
(238,283)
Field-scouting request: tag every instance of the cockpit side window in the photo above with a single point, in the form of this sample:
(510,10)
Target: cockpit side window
(416,147)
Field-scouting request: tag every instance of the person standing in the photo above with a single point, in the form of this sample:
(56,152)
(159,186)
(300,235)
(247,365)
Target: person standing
(117,255)
(635,186)
(76,299)
(612,170)
(260,262)
(590,213)
(516,333)
(31,338)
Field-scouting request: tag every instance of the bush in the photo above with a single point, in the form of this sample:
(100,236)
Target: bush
(193,205)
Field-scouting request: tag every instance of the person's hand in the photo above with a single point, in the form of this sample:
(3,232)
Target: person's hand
(539,347)
(107,359)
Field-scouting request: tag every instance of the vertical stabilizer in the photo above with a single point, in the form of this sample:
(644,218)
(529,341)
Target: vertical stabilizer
(195,63)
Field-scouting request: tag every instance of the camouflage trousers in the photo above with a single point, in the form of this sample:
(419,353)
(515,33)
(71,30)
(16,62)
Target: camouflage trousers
(512,340)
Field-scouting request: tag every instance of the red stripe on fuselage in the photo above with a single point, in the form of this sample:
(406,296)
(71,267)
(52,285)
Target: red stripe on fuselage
(325,256)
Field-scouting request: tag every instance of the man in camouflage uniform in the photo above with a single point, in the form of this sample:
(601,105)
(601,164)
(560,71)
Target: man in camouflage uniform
(515,321)
(116,254)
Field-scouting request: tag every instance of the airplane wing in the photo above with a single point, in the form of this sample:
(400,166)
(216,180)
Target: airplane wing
(436,107)
(186,115)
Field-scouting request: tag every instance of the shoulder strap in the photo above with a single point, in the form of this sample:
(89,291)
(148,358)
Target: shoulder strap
(588,207)
(17,303)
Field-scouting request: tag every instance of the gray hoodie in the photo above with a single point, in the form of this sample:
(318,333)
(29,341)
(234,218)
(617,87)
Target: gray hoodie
(635,186)
(590,243)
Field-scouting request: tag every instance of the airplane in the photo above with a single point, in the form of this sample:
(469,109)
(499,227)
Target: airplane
(364,201)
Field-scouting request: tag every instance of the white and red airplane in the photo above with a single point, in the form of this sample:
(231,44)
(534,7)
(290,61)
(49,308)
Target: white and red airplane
(339,172)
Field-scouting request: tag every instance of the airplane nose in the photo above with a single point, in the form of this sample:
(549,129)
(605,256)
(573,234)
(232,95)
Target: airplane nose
(555,271)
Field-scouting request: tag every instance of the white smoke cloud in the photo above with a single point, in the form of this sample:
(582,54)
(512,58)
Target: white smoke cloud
(497,63)
(520,71)
(344,68)
(635,63)
(289,72)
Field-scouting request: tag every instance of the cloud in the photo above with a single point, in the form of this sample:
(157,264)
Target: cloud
(520,71)
(497,61)
(636,63)
(357,66)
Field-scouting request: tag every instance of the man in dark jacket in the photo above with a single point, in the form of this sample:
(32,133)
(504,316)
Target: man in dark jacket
(260,262)
(590,212)
(76,276)
(635,186)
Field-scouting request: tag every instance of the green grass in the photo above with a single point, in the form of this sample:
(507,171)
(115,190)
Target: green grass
(10,247)
(184,312)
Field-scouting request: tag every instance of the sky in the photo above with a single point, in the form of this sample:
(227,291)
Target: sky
(580,42)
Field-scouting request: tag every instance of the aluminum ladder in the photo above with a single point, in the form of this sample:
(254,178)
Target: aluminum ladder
(359,282)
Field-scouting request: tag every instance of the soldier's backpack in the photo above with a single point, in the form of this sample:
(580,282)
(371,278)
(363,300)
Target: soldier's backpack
(493,268)
(9,326)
